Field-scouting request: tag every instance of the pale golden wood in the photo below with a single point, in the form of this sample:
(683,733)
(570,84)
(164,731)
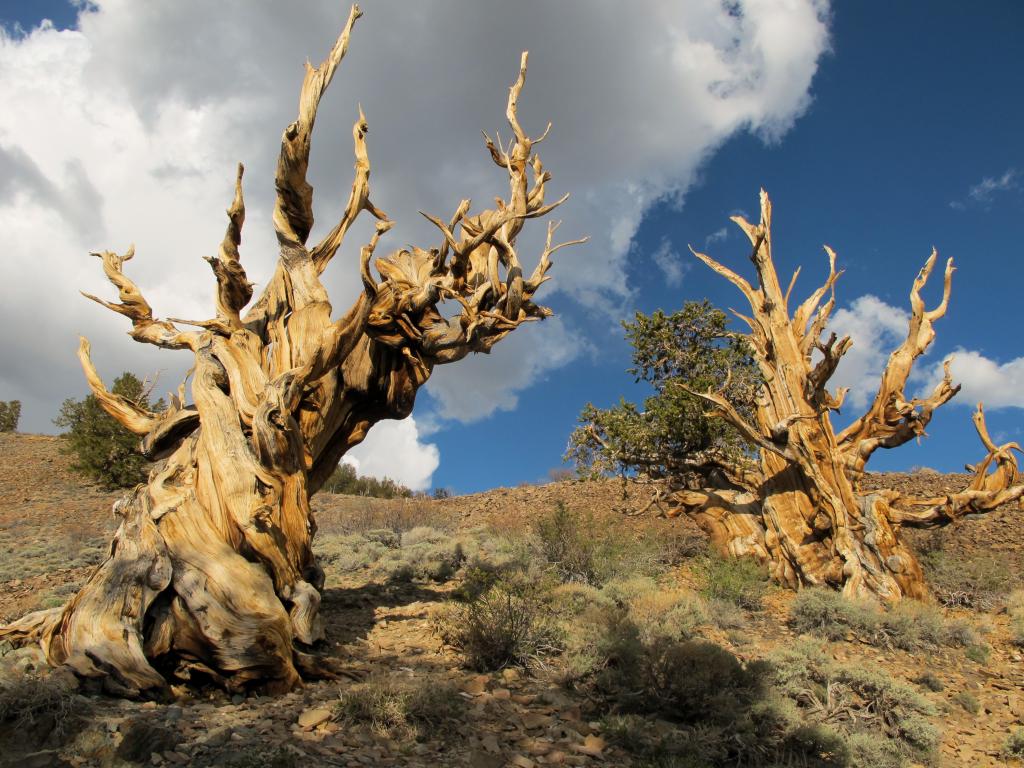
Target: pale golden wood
(801,510)
(212,569)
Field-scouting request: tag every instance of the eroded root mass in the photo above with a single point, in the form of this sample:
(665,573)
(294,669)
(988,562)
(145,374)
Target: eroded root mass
(211,570)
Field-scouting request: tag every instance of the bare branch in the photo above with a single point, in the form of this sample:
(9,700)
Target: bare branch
(135,307)
(293,211)
(233,287)
(358,201)
(125,412)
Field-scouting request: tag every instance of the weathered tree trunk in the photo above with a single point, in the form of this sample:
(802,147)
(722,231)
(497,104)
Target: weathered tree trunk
(212,569)
(801,510)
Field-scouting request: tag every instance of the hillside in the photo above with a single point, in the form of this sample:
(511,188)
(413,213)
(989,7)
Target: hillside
(407,694)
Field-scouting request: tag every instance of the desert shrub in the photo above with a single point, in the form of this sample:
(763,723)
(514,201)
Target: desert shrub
(657,611)
(930,681)
(862,704)
(908,625)
(868,751)
(345,479)
(826,613)
(967,702)
(978,653)
(105,451)
(978,580)
(756,728)
(726,615)
(10,412)
(1014,744)
(697,680)
(1015,609)
(402,711)
(737,580)
(579,550)
(508,624)
(43,705)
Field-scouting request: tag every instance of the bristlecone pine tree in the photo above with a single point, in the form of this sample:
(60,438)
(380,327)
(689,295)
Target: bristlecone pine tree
(794,500)
(212,570)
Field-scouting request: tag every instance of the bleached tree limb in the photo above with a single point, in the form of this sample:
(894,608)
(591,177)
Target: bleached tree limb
(213,572)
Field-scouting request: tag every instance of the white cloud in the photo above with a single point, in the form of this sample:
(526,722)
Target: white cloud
(718,236)
(998,385)
(876,328)
(128,129)
(985,190)
(478,386)
(393,449)
(670,263)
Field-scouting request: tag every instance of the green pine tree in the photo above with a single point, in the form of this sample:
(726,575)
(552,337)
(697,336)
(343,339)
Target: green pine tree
(106,452)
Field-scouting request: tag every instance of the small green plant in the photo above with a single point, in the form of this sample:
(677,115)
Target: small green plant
(967,702)
(1014,744)
(736,580)
(578,550)
(401,711)
(10,412)
(907,625)
(978,580)
(106,452)
(508,624)
(930,681)
(978,653)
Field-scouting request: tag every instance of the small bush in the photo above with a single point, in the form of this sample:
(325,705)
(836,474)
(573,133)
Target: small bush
(966,701)
(930,681)
(907,625)
(826,613)
(507,624)
(10,412)
(46,705)
(1014,744)
(401,711)
(978,653)
(737,580)
(863,704)
(575,547)
(977,580)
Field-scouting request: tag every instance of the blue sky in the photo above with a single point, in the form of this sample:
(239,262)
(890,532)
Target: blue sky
(910,139)
(913,107)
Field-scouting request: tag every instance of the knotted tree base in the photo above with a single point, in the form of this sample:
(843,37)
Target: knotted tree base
(211,570)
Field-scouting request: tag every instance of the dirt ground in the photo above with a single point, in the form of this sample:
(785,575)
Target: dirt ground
(54,528)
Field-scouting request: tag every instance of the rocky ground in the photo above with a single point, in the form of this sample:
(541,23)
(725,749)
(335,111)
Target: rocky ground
(54,527)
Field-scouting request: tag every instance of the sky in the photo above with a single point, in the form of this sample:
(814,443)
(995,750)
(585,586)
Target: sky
(881,129)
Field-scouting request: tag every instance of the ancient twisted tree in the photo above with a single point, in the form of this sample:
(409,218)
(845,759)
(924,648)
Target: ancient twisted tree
(792,498)
(211,570)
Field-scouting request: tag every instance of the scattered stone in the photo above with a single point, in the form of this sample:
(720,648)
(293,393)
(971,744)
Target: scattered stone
(311,718)
(141,738)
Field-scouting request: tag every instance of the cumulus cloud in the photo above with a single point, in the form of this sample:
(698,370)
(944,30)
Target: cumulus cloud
(128,129)
(671,264)
(393,449)
(478,386)
(998,385)
(875,328)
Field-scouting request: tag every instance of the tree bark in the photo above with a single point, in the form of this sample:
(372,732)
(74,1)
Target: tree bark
(212,571)
(802,513)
